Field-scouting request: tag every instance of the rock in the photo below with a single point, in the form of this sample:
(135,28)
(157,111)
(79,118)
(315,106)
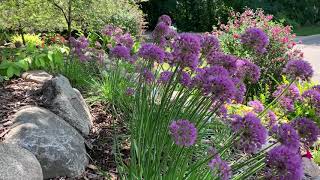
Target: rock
(58,146)
(18,163)
(67,103)
(36,76)
(311,169)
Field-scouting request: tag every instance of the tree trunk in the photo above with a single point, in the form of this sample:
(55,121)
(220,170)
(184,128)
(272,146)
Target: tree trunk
(69,18)
(22,36)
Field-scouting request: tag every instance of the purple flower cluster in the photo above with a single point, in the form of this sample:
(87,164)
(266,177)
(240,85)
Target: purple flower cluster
(256,105)
(124,40)
(220,168)
(256,39)
(312,98)
(165,19)
(148,76)
(209,43)
(186,50)
(185,79)
(283,163)
(298,69)
(183,132)
(307,129)
(224,60)
(246,70)
(130,91)
(272,118)
(165,77)
(151,53)
(288,98)
(120,52)
(160,32)
(252,133)
(79,47)
(110,30)
(287,136)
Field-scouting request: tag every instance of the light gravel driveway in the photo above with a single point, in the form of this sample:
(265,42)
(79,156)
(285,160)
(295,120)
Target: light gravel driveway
(311,48)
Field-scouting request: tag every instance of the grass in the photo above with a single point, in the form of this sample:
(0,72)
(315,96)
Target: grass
(307,30)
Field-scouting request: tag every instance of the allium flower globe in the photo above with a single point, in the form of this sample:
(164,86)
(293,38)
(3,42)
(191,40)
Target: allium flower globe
(282,163)
(307,129)
(165,77)
(252,133)
(120,52)
(298,69)
(256,105)
(209,43)
(152,52)
(229,62)
(256,39)
(183,132)
(165,19)
(220,168)
(287,136)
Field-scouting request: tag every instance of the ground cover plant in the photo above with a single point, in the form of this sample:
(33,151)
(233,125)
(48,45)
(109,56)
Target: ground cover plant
(179,125)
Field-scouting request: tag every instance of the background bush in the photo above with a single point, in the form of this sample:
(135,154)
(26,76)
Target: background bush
(31,39)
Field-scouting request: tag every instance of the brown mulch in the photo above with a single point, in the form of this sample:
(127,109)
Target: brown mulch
(17,93)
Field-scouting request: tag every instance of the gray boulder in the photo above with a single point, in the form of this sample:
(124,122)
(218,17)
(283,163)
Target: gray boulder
(38,76)
(17,163)
(68,103)
(310,168)
(58,146)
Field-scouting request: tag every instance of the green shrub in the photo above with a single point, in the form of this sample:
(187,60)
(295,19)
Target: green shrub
(30,39)
(121,13)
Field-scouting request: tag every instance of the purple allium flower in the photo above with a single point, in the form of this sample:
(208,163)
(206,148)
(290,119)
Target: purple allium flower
(272,118)
(298,69)
(165,19)
(130,91)
(229,62)
(152,52)
(312,98)
(148,76)
(287,104)
(83,42)
(125,40)
(307,129)
(287,136)
(108,30)
(241,90)
(248,71)
(186,50)
(160,32)
(165,77)
(220,168)
(221,88)
(256,105)
(283,163)
(209,43)
(183,132)
(292,92)
(222,111)
(252,133)
(256,39)
(120,52)
(204,76)
(185,79)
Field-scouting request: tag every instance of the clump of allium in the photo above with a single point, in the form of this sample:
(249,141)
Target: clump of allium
(307,129)
(221,89)
(125,40)
(183,132)
(298,69)
(152,52)
(186,50)
(165,77)
(256,39)
(287,136)
(148,76)
(246,70)
(209,43)
(312,98)
(165,19)
(185,79)
(224,60)
(120,52)
(252,133)
(160,32)
(256,105)
(289,97)
(283,163)
(220,168)
(205,75)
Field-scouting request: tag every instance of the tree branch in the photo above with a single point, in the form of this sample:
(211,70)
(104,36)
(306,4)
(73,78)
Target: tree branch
(60,8)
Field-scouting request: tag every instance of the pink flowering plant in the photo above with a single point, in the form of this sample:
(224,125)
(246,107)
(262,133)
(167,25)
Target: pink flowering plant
(255,36)
(178,89)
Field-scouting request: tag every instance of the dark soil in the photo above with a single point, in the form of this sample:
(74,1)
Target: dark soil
(17,93)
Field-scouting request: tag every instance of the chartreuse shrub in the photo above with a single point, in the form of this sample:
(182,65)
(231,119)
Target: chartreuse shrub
(30,39)
(179,123)
(254,36)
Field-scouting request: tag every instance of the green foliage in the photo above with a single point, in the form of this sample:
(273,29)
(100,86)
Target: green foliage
(30,39)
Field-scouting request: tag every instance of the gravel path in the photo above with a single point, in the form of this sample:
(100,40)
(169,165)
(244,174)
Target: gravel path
(311,48)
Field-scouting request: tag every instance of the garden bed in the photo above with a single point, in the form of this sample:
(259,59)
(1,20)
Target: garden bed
(16,93)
